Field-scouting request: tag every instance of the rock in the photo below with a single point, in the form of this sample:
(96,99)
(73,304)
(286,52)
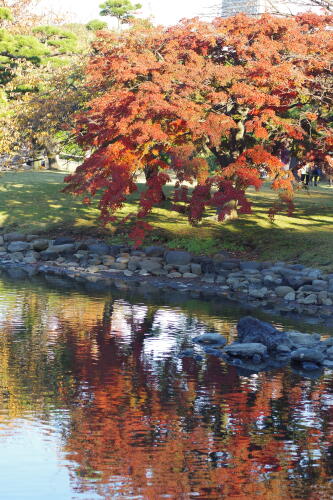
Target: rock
(31,237)
(247,350)
(66,248)
(304,354)
(291,296)
(282,291)
(196,268)
(118,266)
(310,299)
(122,260)
(63,240)
(256,359)
(18,246)
(128,273)
(258,293)
(190,275)
(108,260)
(328,363)
(250,265)
(283,349)
(320,284)
(99,248)
(154,251)
(309,366)
(208,278)
(253,330)
(211,339)
(40,245)
(114,250)
(298,280)
(1,241)
(299,339)
(174,275)
(14,237)
(178,258)
(327,302)
(184,269)
(150,265)
(329,353)
(228,265)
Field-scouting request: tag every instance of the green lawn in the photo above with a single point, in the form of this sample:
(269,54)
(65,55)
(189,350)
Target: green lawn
(33,202)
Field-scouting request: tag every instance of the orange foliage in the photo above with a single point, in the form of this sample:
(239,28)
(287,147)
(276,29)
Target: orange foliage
(241,90)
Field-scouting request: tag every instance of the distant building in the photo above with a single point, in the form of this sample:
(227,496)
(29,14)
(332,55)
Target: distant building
(250,7)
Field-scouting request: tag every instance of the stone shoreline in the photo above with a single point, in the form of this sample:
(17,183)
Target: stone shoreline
(276,288)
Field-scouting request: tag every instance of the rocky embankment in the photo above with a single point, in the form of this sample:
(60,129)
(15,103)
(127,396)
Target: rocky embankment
(277,287)
(260,346)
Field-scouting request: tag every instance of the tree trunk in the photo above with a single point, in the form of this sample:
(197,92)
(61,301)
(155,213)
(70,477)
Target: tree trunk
(53,161)
(148,174)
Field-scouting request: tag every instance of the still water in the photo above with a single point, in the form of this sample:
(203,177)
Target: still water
(96,404)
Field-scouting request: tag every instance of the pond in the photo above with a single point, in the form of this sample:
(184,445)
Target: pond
(96,404)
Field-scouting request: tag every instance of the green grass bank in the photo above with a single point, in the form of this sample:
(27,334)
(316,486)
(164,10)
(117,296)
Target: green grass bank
(33,202)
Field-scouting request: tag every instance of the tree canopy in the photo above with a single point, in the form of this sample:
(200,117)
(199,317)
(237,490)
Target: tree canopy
(241,90)
(122,10)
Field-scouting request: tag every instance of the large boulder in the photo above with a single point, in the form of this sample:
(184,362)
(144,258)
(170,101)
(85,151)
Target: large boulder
(18,246)
(253,330)
(178,258)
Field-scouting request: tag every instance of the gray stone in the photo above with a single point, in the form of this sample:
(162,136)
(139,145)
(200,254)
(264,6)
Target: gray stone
(99,248)
(31,237)
(304,354)
(258,293)
(228,264)
(309,366)
(282,291)
(253,330)
(63,240)
(108,260)
(283,349)
(18,246)
(299,339)
(320,284)
(190,275)
(328,363)
(14,236)
(1,241)
(291,296)
(310,299)
(122,260)
(184,269)
(128,273)
(247,350)
(66,248)
(40,245)
(174,275)
(154,251)
(196,268)
(329,353)
(210,338)
(118,266)
(150,265)
(250,265)
(178,258)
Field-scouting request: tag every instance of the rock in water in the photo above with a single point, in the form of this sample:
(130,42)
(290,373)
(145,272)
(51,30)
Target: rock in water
(211,339)
(246,350)
(253,330)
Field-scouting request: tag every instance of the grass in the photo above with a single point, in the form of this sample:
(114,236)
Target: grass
(33,202)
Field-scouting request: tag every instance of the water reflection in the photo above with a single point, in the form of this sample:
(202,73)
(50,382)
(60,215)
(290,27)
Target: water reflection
(95,403)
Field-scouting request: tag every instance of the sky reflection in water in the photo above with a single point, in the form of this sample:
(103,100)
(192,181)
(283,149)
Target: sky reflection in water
(95,403)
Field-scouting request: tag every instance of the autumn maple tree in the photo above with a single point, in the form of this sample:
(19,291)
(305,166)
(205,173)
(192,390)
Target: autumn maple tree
(240,92)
